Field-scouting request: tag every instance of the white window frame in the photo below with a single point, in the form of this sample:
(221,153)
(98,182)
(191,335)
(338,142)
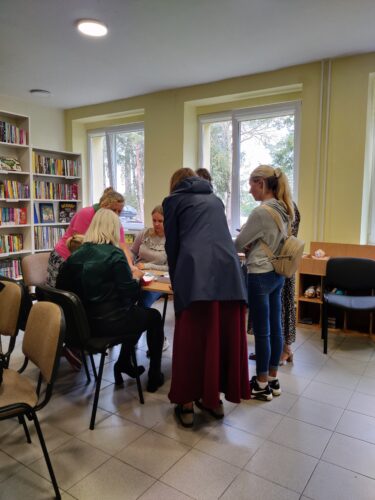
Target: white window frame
(237,116)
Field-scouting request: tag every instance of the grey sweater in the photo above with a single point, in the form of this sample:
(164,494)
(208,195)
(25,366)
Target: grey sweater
(261,226)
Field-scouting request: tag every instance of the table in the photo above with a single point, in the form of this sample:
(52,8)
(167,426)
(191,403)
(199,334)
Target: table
(158,286)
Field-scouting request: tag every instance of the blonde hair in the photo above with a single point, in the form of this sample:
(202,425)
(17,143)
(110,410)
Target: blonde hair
(104,228)
(109,197)
(158,210)
(180,175)
(276,181)
(74,242)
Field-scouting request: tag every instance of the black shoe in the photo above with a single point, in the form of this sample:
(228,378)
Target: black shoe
(275,387)
(184,415)
(258,393)
(252,356)
(129,370)
(154,382)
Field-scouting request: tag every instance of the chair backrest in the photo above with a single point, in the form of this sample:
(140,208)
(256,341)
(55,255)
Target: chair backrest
(43,338)
(10,304)
(77,326)
(350,273)
(34,268)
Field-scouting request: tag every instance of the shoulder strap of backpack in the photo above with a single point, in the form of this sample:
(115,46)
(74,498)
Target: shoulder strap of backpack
(277,218)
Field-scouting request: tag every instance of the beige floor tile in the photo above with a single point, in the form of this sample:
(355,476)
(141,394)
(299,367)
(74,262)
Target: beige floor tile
(113,398)
(247,486)
(169,427)
(312,352)
(153,453)
(112,434)
(279,404)
(353,454)
(71,462)
(114,480)
(301,368)
(200,476)
(338,377)
(249,417)
(366,385)
(160,491)
(283,466)
(360,350)
(150,414)
(301,436)
(8,466)
(356,425)
(14,443)
(329,394)
(316,413)
(330,482)
(27,485)
(229,444)
(292,384)
(362,403)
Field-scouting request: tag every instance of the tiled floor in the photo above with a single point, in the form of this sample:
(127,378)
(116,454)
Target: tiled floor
(316,441)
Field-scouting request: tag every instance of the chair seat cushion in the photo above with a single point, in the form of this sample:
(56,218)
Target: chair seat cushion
(16,389)
(350,301)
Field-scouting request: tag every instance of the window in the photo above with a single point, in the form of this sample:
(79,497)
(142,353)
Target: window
(117,160)
(233,144)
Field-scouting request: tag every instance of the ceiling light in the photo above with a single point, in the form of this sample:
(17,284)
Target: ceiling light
(91,27)
(40,92)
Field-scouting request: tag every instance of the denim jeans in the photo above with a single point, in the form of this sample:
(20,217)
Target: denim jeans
(148,298)
(264,291)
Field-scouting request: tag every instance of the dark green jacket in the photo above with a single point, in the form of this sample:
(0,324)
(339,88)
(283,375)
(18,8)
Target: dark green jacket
(100,275)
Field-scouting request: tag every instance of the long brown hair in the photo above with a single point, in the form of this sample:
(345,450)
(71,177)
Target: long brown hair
(109,197)
(180,175)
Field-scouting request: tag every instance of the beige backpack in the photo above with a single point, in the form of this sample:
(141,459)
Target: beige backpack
(287,261)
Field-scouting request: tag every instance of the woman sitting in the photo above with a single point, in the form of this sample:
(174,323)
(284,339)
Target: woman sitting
(99,274)
(149,254)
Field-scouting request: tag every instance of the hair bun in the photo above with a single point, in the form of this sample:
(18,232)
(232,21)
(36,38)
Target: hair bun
(108,190)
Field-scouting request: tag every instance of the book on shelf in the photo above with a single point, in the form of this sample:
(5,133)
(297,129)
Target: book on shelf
(12,134)
(129,238)
(10,216)
(11,243)
(47,215)
(55,166)
(10,268)
(13,190)
(46,238)
(10,164)
(55,191)
(36,216)
(67,210)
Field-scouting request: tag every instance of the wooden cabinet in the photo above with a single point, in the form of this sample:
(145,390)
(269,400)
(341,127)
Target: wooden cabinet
(312,273)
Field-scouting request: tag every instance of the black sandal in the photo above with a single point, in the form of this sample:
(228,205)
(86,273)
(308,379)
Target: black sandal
(184,415)
(217,413)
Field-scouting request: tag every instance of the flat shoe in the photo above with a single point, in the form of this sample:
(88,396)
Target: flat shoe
(217,413)
(129,370)
(252,356)
(184,415)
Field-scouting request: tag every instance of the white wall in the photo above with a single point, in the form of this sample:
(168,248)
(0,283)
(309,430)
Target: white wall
(47,129)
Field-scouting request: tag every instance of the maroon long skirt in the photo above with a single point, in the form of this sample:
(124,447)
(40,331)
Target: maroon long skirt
(210,354)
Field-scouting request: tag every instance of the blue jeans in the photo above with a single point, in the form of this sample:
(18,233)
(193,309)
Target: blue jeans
(148,298)
(264,291)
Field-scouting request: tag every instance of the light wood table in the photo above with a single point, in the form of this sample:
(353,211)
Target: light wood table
(159,286)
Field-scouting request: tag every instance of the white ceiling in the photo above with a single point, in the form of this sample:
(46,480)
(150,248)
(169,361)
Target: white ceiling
(161,44)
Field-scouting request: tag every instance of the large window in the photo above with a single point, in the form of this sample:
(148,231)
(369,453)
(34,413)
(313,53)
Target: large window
(117,160)
(233,144)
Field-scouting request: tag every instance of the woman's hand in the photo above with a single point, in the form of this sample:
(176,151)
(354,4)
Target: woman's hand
(137,273)
(140,265)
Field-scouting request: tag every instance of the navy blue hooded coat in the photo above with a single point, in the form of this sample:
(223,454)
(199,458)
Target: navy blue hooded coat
(202,260)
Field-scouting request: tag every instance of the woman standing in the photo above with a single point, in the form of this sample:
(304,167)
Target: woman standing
(210,347)
(269,186)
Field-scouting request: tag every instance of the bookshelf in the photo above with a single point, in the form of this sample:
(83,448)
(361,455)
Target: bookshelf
(56,194)
(15,202)
(36,187)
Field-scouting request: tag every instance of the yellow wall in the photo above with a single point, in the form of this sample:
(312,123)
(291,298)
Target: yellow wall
(333,126)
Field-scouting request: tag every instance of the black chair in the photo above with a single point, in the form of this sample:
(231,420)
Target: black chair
(351,275)
(78,335)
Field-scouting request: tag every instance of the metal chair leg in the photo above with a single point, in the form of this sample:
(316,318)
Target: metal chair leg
(325,326)
(137,378)
(22,421)
(84,361)
(46,456)
(97,391)
(93,367)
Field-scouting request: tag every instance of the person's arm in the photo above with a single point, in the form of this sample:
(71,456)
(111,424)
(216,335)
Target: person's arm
(251,231)
(136,244)
(171,230)
(126,285)
(157,267)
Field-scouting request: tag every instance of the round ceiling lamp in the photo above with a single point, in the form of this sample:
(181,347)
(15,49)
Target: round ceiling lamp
(40,92)
(90,27)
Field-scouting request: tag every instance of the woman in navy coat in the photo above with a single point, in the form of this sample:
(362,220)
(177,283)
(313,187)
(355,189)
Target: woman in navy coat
(210,345)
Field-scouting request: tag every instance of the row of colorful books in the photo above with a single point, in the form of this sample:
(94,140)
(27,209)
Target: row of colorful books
(11,243)
(55,166)
(11,216)
(14,190)
(12,134)
(10,268)
(47,237)
(55,191)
